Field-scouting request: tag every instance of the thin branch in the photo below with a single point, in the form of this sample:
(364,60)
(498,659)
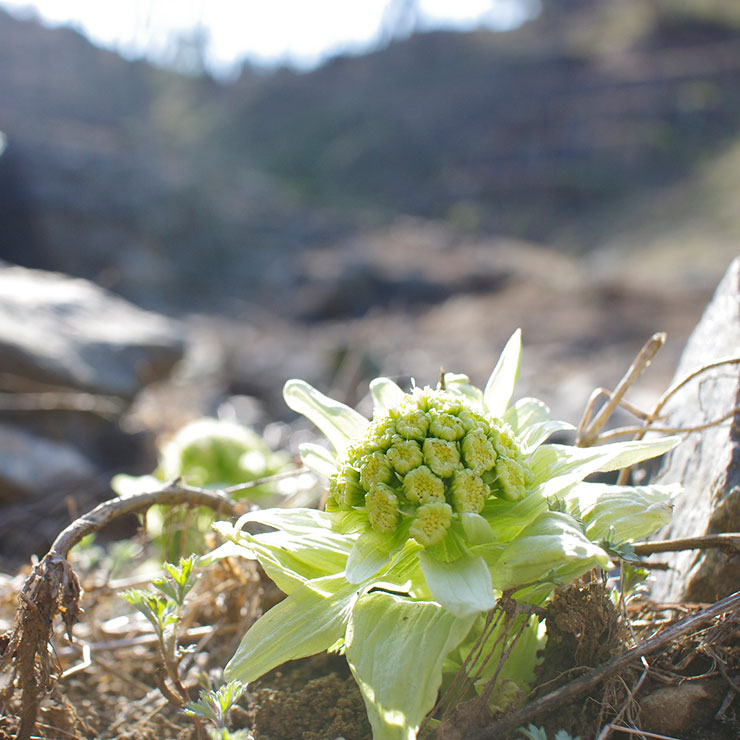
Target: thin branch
(194,634)
(173,494)
(681,383)
(724,541)
(642,733)
(631,693)
(568,692)
(640,430)
(267,479)
(663,400)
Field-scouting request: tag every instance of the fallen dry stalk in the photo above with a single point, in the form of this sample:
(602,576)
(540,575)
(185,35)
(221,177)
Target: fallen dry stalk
(498,729)
(588,430)
(53,588)
(724,541)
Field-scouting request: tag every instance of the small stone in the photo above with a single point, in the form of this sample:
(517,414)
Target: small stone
(676,710)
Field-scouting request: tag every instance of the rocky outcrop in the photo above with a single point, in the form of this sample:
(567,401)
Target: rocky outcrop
(69,333)
(707,464)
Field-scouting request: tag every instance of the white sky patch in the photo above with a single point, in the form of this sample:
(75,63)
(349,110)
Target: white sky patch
(299,32)
(285,29)
(460,13)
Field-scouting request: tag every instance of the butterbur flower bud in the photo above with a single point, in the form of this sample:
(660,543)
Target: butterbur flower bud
(347,490)
(503,443)
(511,478)
(413,425)
(375,468)
(446,426)
(431,523)
(404,455)
(383,431)
(469,492)
(421,486)
(472,421)
(381,505)
(441,456)
(477,451)
(427,400)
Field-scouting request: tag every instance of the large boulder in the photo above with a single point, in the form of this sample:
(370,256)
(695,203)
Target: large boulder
(707,463)
(67,332)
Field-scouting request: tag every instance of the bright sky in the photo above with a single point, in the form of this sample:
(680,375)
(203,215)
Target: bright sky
(299,32)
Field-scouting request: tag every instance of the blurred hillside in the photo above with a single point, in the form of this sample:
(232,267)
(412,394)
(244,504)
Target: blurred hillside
(583,130)
(391,213)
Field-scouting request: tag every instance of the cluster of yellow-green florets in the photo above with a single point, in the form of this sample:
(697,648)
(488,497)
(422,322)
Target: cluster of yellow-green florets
(430,459)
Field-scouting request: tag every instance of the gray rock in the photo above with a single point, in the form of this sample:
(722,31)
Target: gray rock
(68,332)
(707,463)
(31,467)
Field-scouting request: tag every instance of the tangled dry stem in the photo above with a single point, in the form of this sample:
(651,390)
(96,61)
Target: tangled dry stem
(589,431)
(53,588)
(591,679)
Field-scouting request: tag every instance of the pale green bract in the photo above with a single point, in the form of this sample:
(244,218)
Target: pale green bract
(442,501)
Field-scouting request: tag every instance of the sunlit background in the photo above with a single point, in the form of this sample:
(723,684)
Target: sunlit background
(225,33)
(200,200)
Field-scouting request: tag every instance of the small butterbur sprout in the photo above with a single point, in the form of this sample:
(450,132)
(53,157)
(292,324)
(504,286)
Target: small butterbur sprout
(469,492)
(421,486)
(503,442)
(375,468)
(404,455)
(431,523)
(477,451)
(442,456)
(382,508)
(382,432)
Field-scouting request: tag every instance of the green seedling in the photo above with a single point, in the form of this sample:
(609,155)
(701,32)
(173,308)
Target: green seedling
(213,706)
(163,610)
(443,506)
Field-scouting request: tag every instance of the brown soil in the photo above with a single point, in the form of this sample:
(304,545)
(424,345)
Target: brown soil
(325,708)
(689,691)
